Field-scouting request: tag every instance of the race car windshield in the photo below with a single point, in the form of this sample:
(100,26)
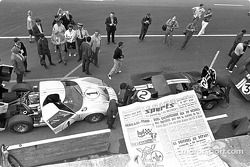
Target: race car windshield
(73,95)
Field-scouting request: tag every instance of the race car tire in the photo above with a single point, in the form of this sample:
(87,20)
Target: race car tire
(93,118)
(21,87)
(20,123)
(209,105)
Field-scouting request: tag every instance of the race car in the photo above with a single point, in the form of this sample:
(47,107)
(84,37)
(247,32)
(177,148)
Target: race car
(241,79)
(152,85)
(57,104)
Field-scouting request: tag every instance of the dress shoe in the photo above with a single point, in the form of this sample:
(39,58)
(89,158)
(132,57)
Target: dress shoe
(65,63)
(108,43)
(88,73)
(109,76)
(52,64)
(27,71)
(45,66)
(114,42)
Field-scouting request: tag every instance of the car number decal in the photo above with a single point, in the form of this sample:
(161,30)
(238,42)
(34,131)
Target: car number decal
(246,88)
(144,95)
(92,93)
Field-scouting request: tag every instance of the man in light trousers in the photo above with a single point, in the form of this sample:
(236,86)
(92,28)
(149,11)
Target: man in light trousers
(118,58)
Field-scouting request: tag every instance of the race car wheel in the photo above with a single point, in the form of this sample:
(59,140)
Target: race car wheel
(209,105)
(20,123)
(21,87)
(93,118)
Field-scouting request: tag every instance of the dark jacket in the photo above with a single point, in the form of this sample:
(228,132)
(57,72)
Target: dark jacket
(118,54)
(85,50)
(112,109)
(23,48)
(36,32)
(108,22)
(43,46)
(143,21)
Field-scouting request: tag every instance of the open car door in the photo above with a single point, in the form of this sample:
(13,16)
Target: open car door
(58,116)
(5,72)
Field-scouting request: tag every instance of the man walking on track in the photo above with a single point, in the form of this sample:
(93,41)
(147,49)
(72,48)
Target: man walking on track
(111,23)
(118,58)
(189,31)
(237,40)
(236,55)
(30,25)
(171,24)
(146,21)
(205,21)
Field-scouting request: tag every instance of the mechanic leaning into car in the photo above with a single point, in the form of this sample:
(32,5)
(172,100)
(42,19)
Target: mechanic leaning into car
(111,113)
(126,94)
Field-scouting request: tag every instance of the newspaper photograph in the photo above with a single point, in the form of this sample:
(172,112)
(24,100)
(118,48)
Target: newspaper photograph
(171,131)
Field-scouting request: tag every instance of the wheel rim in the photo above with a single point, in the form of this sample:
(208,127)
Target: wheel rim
(21,128)
(95,118)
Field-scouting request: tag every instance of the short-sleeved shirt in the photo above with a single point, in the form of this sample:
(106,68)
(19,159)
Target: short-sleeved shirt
(239,50)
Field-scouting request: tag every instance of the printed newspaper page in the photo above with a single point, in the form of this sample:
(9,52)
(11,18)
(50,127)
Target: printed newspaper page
(169,132)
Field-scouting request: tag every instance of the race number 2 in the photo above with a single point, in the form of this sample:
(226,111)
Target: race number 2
(144,95)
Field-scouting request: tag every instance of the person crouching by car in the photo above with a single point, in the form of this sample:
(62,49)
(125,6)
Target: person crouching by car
(18,63)
(112,113)
(126,94)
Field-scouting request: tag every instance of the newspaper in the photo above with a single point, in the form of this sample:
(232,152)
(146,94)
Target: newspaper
(169,132)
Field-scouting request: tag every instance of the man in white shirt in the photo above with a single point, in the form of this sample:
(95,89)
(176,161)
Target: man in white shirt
(81,35)
(197,12)
(70,36)
(96,44)
(30,25)
(58,39)
(236,55)
(207,18)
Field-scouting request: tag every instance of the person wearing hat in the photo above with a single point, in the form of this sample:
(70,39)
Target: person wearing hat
(237,40)
(30,25)
(70,36)
(18,63)
(111,23)
(145,22)
(58,39)
(236,55)
(118,58)
(37,29)
(81,35)
(22,50)
(43,49)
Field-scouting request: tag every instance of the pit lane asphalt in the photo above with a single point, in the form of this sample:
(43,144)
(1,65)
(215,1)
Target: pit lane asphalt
(150,55)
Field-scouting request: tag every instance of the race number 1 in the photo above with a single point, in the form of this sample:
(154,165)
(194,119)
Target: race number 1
(143,95)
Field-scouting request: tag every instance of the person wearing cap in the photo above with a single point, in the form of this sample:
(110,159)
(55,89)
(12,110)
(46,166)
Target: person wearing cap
(30,25)
(22,50)
(81,35)
(43,50)
(118,58)
(58,39)
(237,40)
(70,36)
(236,55)
(86,55)
(111,23)
(37,29)
(95,46)
(145,22)
(18,63)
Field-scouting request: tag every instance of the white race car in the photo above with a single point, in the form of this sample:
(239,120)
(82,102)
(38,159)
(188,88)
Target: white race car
(58,104)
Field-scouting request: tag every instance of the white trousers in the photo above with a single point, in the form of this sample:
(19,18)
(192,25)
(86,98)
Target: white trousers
(203,27)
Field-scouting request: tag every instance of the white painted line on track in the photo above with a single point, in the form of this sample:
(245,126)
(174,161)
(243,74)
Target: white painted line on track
(136,36)
(217,117)
(43,79)
(226,4)
(58,139)
(66,76)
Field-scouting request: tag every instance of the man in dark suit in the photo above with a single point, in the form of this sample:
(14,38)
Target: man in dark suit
(37,29)
(43,49)
(18,63)
(23,51)
(86,54)
(146,21)
(112,113)
(111,23)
